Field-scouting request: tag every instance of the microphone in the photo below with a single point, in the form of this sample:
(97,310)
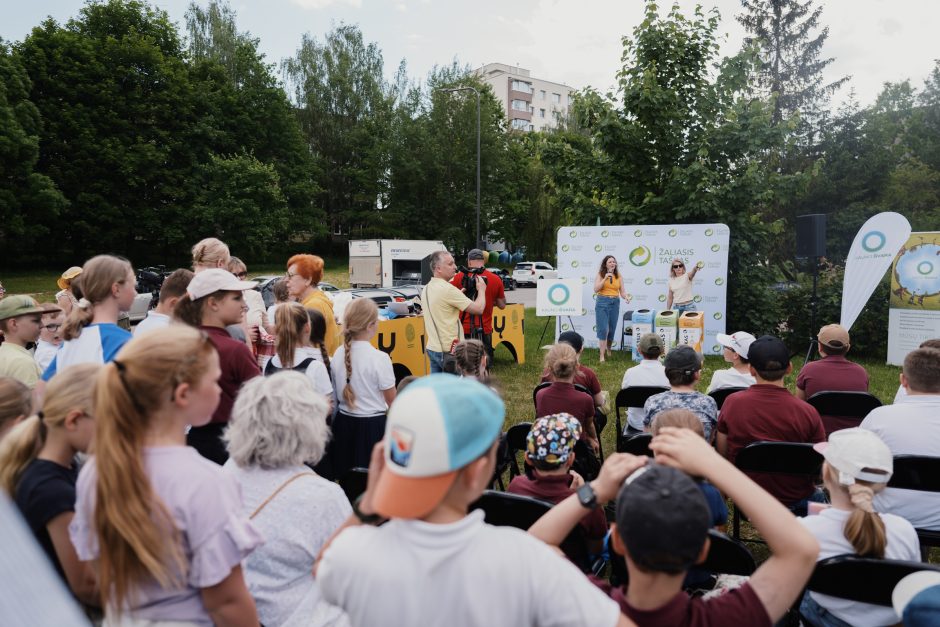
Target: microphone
(611,279)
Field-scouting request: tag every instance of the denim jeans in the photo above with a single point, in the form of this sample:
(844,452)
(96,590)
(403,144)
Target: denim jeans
(606,313)
(686,307)
(818,616)
(436,360)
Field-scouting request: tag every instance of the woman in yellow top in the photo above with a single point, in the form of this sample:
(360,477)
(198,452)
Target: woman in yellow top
(680,296)
(609,288)
(304,273)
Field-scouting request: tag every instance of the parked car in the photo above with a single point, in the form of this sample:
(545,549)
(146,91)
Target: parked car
(266,287)
(528,272)
(508,282)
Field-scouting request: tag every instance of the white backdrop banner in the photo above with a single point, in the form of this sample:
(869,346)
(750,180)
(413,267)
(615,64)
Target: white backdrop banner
(873,250)
(644,254)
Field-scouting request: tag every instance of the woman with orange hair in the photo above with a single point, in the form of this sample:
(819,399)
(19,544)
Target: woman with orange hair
(304,273)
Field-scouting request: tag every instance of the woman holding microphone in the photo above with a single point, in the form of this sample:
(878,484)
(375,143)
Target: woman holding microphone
(609,289)
(680,287)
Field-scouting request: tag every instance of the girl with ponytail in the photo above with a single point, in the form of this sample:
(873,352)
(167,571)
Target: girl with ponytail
(858,465)
(91,332)
(318,336)
(38,470)
(365,386)
(292,343)
(471,360)
(162,526)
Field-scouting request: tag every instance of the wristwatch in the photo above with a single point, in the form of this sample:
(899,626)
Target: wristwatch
(587,497)
(365,519)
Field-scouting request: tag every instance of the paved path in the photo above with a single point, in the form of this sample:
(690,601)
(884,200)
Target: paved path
(524,295)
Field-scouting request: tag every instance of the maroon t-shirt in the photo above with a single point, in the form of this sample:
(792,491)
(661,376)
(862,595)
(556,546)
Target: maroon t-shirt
(834,373)
(585,376)
(555,489)
(238,365)
(739,606)
(494,290)
(562,397)
(769,413)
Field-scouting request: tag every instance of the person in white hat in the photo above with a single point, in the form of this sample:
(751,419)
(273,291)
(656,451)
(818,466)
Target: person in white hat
(735,353)
(857,466)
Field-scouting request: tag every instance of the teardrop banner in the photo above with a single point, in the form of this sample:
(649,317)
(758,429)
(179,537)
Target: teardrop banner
(873,250)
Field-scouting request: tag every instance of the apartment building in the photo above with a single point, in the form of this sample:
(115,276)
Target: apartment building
(531,104)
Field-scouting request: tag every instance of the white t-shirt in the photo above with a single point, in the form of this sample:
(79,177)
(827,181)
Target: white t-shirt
(730,378)
(910,428)
(271,309)
(316,371)
(279,572)
(45,351)
(649,372)
(467,573)
(828,528)
(681,287)
(900,395)
(153,321)
(372,372)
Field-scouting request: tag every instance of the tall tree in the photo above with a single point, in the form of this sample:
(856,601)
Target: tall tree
(790,40)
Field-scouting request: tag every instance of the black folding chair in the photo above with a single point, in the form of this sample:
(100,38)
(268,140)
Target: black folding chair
(354,482)
(851,405)
(516,443)
(862,579)
(922,473)
(638,445)
(721,394)
(633,396)
(600,420)
(785,458)
(539,388)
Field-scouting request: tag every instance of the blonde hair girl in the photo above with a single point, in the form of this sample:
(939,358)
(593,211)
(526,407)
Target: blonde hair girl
(294,350)
(365,386)
(162,525)
(210,253)
(857,467)
(16,401)
(561,362)
(91,331)
(37,469)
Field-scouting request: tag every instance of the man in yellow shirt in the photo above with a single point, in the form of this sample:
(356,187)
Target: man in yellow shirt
(442,304)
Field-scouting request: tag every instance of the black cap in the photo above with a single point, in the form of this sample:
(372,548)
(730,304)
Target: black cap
(663,519)
(768,353)
(572,338)
(682,358)
(475,255)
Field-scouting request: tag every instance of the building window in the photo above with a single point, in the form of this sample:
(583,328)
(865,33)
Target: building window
(543,94)
(541,113)
(556,98)
(531,127)
(520,105)
(522,86)
(519,124)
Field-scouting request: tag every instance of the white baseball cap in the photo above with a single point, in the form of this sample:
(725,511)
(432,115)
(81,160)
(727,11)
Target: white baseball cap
(215,280)
(857,454)
(739,342)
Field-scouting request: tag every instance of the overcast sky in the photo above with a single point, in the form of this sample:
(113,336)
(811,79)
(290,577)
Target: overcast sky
(576,42)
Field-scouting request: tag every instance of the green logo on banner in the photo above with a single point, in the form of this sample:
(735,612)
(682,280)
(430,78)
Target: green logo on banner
(583,311)
(604,233)
(648,280)
(574,264)
(673,232)
(572,234)
(598,248)
(719,281)
(716,348)
(873,241)
(640,256)
(638,233)
(715,248)
(709,232)
(565,248)
(558,294)
(697,298)
(583,280)
(564,326)
(662,298)
(717,315)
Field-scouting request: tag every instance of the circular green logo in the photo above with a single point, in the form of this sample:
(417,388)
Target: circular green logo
(640,256)
(565,248)
(873,241)
(410,332)
(594,328)
(716,348)
(583,280)
(715,248)
(673,232)
(572,234)
(648,280)
(697,298)
(558,294)
(564,326)
(925,267)
(709,232)
(604,233)
(598,248)
(583,311)
(717,315)
(662,298)
(719,281)
(574,264)
(638,233)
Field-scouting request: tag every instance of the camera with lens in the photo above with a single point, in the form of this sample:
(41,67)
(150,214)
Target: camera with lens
(469,283)
(151,280)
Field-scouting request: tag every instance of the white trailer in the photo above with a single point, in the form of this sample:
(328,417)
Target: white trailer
(388,262)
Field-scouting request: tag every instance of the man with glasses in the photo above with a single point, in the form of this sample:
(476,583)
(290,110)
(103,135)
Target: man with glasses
(680,286)
(50,335)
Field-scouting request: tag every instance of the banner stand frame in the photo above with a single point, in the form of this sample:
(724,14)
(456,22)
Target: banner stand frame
(545,328)
(812,307)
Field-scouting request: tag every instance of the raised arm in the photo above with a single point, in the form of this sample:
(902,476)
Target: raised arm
(779,580)
(694,271)
(476,307)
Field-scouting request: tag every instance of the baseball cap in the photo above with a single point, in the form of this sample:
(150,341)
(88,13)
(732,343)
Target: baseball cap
(68,275)
(214,280)
(475,254)
(768,353)
(552,438)
(21,305)
(682,358)
(833,336)
(572,338)
(916,599)
(663,518)
(438,425)
(739,342)
(648,341)
(857,454)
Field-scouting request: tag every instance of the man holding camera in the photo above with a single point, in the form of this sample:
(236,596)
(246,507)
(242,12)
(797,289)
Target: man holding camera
(443,304)
(480,327)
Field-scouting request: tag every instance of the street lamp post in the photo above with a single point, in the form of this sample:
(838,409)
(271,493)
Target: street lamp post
(479,242)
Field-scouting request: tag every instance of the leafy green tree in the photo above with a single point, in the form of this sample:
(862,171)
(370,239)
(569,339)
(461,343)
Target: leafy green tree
(29,201)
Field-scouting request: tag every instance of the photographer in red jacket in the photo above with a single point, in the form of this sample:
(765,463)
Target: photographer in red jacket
(495,296)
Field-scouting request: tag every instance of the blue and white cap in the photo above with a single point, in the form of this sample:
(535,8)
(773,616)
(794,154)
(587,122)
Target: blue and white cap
(438,425)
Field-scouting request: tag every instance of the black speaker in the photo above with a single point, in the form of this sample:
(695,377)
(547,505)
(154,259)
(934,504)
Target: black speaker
(426,273)
(811,235)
